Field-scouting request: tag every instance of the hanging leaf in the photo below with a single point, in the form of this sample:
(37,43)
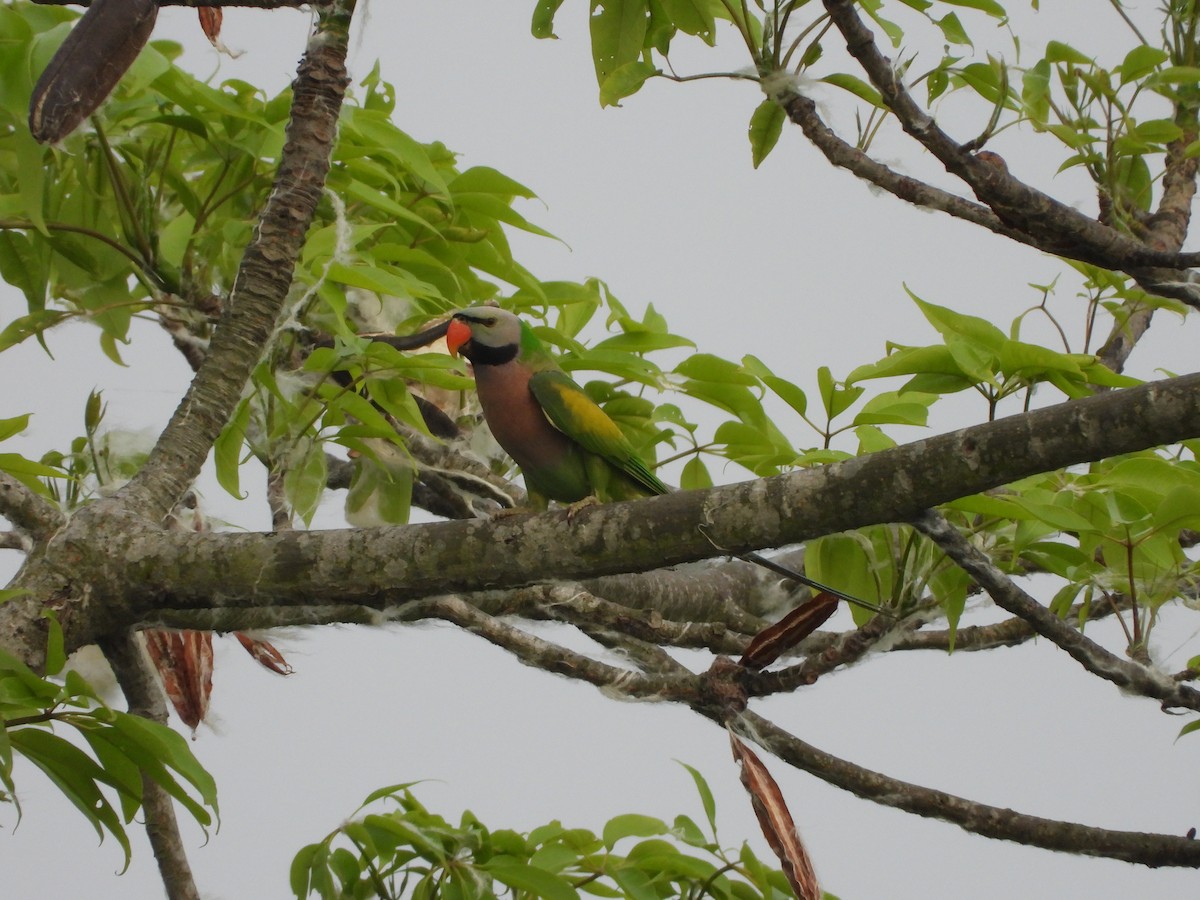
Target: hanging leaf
(766,125)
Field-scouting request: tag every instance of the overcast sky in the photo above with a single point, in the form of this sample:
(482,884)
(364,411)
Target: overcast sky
(796,263)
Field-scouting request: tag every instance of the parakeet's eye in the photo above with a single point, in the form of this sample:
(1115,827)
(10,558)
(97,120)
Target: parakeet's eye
(489,322)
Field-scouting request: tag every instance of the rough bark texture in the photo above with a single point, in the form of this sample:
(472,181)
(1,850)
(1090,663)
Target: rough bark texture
(116,577)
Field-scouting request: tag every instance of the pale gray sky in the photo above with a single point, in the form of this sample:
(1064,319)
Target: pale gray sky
(795,263)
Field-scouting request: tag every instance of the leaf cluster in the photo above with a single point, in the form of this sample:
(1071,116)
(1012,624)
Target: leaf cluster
(412,852)
(102,770)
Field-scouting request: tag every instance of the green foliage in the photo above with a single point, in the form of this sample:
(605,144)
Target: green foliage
(976,354)
(27,471)
(105,784)
(412,852)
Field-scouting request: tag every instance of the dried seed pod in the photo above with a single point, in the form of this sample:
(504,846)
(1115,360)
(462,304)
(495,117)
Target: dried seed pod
(98,51)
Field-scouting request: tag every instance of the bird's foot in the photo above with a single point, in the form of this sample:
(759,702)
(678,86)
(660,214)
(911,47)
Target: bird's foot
(580,505)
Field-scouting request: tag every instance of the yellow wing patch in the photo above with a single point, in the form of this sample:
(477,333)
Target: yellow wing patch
(597,423)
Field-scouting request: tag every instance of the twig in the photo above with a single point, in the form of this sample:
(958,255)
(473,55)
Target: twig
(549,657)
(1125,674)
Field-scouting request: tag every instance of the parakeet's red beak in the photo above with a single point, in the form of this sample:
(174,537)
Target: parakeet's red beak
(457,334)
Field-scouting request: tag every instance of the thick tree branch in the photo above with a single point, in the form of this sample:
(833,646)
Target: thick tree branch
(145,698)
(392,565)
(1125,674)
(28,512)
(263,279)
(380,568)
(990,821)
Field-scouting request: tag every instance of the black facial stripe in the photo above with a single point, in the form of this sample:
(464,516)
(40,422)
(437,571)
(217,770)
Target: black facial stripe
(490,356)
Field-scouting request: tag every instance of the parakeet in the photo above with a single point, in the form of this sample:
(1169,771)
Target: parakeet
(568,448)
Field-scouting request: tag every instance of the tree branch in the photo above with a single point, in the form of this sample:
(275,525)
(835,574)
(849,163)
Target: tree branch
(1051,225)
(27,511)
(1167,230)
(802,111)
(1125,674)
(94,592)
(264,277)
(145,699)
(549,657)
(978,818)
(408,562)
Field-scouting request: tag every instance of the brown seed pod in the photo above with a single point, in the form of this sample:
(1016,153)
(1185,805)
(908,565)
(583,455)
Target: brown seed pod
(98,51)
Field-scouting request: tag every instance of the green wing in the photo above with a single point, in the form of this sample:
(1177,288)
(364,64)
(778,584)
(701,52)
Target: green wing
(577,416)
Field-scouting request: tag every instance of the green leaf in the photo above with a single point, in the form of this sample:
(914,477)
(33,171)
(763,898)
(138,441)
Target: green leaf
(891,408)
(693,17)
(56,656)
(1058,52)
(536,881)
(32,171)
(1177,75)
(635,883)
(227,450)
(1194,725)
(706,797)
(618,30)
(857,87)
(695,475)
(543,18)
(952,29)
(632,825)
(305,478)
(766,125)
(76,775)
(15,425)
(625,81)
(950,323)
(27,471)
(1035,91)
(1141,61)
(706,367)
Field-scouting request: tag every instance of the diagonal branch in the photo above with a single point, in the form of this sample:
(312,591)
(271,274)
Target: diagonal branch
(802,111)
(989,821)
(1125,674)
(264,277)
(1053,226)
